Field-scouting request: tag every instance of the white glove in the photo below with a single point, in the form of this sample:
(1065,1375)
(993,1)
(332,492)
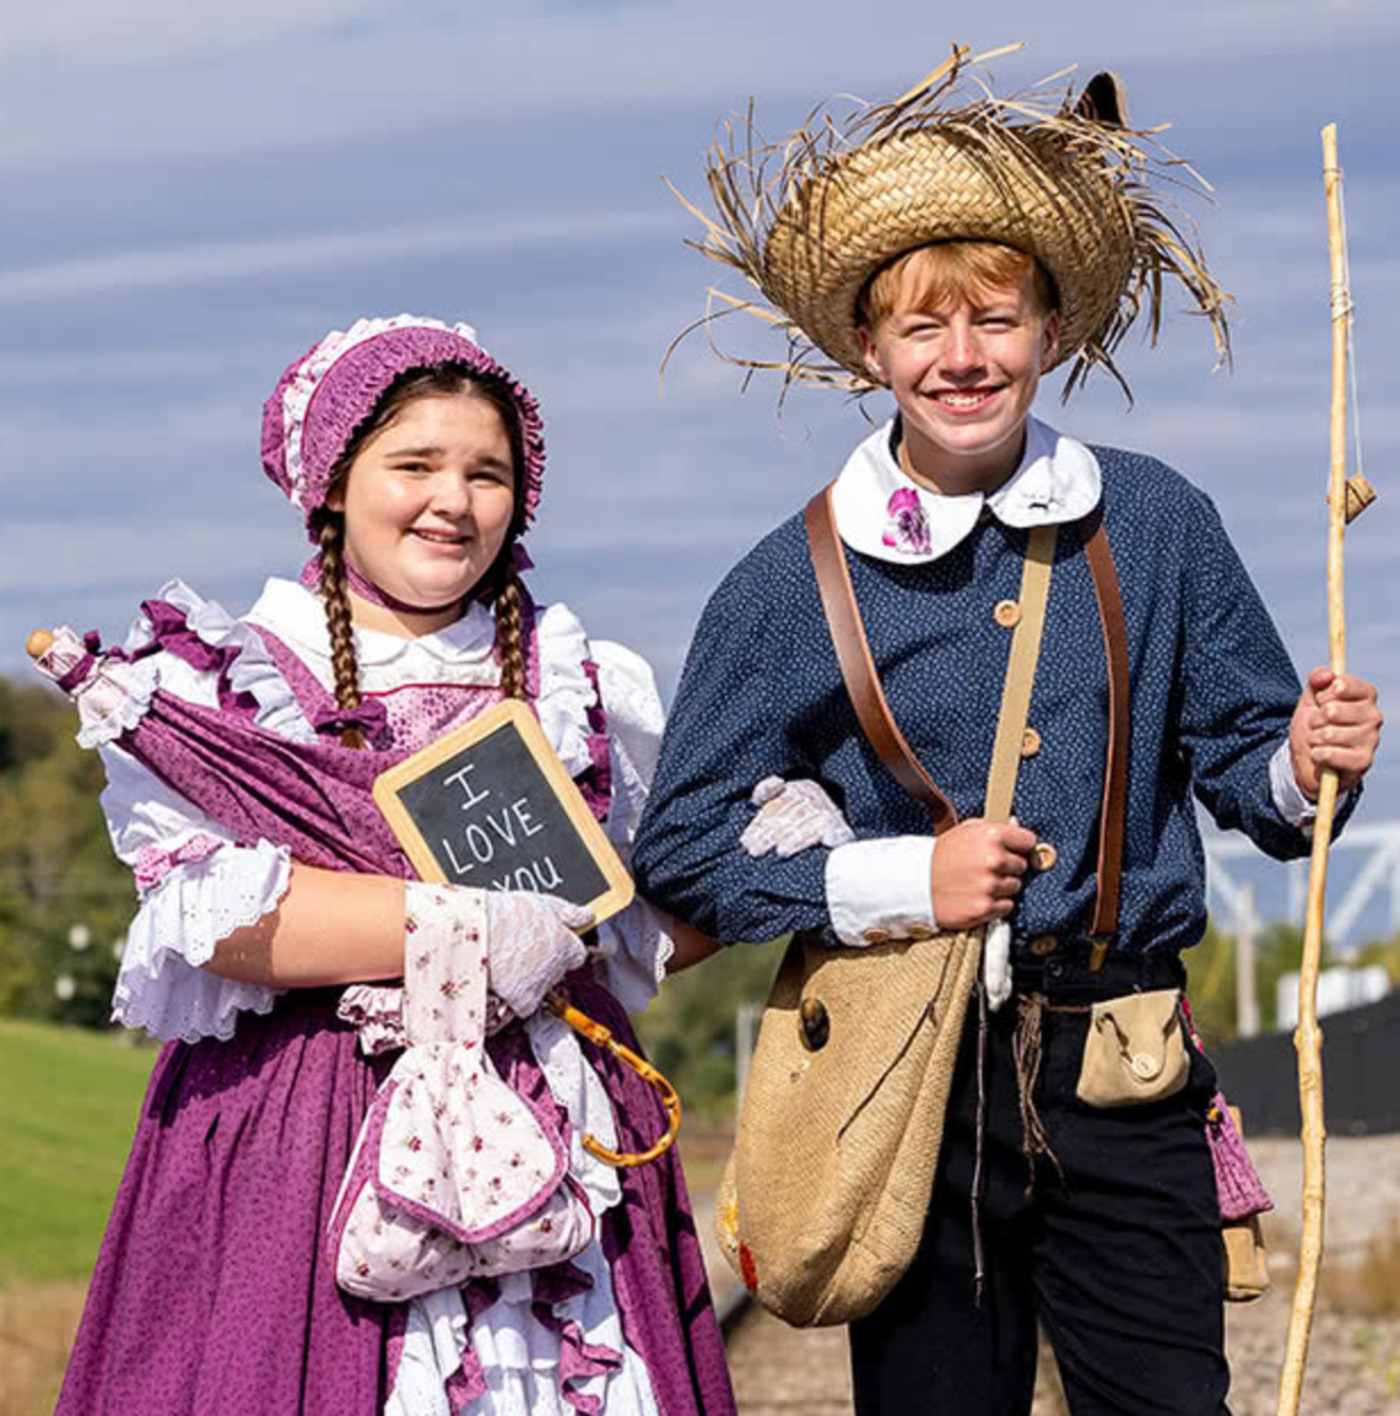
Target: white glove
(793,816)
(532,941)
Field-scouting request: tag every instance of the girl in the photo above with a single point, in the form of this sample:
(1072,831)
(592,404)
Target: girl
(239,754)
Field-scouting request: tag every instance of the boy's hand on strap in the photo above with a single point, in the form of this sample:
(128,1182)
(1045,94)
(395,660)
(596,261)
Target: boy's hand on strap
(977,870)
(532,942)
(1337,724)
(793,817)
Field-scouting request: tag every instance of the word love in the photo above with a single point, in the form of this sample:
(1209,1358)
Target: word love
(492,829)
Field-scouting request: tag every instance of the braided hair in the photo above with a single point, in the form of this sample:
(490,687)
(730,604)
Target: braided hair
(500,584)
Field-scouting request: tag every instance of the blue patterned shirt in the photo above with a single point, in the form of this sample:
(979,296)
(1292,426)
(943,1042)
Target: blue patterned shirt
(1213,692)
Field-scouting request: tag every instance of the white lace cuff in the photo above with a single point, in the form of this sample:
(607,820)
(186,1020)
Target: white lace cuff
(635,948)
(162,986)
(881,889)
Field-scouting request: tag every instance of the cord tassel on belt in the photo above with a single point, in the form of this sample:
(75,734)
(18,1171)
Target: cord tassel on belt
(1026,1048)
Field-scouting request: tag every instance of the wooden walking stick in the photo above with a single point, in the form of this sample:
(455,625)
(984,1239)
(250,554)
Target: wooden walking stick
(1345,501)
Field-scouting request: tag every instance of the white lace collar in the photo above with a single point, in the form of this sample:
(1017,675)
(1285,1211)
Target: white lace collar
(461,651)
(881,512)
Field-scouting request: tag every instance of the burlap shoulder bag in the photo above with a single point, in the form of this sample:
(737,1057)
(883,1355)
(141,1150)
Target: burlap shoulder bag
(823,1202)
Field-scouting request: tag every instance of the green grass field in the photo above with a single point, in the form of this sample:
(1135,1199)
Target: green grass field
(68,1105)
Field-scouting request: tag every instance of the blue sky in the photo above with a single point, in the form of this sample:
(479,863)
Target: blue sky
(195,194)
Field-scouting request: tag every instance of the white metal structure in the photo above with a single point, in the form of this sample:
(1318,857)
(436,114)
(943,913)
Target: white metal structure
(1380,841)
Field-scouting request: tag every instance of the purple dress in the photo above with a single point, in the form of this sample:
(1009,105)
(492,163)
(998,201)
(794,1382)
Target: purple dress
(213,1292)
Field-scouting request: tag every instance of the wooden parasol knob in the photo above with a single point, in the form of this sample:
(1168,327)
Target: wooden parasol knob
(38,644)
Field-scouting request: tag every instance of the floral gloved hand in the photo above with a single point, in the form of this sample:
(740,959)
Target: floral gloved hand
(532,941)
(792,817)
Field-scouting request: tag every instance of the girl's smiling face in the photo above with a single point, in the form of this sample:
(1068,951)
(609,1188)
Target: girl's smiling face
(428,502)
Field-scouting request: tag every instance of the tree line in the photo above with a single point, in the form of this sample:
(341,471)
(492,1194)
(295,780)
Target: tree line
(65,900)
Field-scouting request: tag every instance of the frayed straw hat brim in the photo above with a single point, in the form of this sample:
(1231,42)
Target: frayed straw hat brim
(928,186)
(810,220)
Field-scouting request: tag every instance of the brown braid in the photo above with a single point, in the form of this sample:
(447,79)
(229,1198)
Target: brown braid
(509,647)
(331,537)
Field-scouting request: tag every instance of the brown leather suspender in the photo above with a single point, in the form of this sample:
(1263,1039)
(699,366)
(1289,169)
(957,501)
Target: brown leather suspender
(1115,788)
(858,667)
(877,722)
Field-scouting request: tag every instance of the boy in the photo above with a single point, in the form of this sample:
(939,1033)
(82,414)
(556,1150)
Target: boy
(1101,1223)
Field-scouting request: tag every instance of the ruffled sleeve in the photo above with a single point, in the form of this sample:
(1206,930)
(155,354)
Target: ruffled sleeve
(197,888)
(638,942)
(196,885)
(248,669)
(566,692)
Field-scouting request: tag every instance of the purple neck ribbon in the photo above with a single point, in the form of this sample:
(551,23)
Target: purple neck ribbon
(366,589)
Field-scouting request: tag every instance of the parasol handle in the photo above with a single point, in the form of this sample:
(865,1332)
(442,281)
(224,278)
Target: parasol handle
(600,1036)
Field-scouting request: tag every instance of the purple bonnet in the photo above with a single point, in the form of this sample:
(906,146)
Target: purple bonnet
(325,395)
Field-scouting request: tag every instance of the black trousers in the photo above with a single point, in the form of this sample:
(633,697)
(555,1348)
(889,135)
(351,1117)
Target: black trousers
(1119,1257)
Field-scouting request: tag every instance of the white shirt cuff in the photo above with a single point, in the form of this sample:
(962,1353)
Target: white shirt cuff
(881,889)
(1288,796)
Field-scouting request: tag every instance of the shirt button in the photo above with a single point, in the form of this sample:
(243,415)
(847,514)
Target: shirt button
(876,936)
(1007,614)
(1043,856)
(920,931)
(1030,743)
(1044,944)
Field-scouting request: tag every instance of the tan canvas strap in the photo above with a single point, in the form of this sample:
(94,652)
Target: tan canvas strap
(858,667)
(876,721)
(1020,673)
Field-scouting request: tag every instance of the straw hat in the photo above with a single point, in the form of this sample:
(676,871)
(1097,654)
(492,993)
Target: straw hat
(811,220)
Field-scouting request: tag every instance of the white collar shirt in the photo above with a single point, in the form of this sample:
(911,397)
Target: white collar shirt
(882,512)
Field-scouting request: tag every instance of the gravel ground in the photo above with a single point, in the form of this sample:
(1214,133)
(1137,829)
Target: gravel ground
(1354,1361)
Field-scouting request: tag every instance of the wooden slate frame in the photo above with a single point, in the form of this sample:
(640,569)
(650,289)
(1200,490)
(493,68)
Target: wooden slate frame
(510,715)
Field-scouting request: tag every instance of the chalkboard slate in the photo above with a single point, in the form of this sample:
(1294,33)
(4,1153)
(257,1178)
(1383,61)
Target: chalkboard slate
(492,806)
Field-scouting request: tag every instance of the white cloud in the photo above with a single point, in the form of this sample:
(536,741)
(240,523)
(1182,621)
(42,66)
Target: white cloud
(136,557)
(231,262)
(269,75)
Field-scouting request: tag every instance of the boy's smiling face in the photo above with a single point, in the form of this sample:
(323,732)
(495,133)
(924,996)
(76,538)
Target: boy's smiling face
(964,369)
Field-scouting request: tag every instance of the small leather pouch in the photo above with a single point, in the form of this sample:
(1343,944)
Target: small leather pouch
(1242,1201)
(1135,1051)
(1246,1261)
